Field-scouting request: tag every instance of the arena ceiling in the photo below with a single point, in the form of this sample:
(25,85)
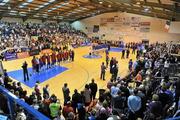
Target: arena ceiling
(72,10)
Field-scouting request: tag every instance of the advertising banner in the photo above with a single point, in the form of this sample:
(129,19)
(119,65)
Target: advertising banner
(34,52)
(46,51)
(22,55)
(10,56)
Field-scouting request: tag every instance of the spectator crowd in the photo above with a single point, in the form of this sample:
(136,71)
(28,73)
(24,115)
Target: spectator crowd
(150,91)
(44,35)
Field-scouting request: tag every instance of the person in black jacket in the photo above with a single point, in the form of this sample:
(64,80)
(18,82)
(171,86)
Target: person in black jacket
(93,87)
(127,53)
(73,55)
(25,71)
(123,53)
(114,71)
(111,64)
(76,98)
(177,93)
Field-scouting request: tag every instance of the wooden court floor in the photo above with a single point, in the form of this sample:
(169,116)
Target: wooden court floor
(79,73)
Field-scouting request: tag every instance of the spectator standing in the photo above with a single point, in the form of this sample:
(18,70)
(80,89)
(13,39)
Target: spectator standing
(127,53)
(177,93)
(21,115)
(66,93)
(46,91)
(73,54)
(55,108)
(111,64)
(37,64)
(67,109)
(155,107)
(103,71)
(107,60)
(87,95)
(134,105)
(1,80)
(123,53)
(114,71)
(166,67)
(25,71)
(130,65)
(93,87)
(76,98)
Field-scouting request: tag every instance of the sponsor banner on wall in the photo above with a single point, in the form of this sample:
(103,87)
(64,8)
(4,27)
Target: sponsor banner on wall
(22,55)
(110,19)
(34,52)
(145,26)
(10,56)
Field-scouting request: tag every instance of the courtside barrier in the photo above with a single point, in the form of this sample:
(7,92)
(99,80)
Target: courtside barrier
(46,51)
(175,118)
(22,55)
(34,52)
(12,100)
(10,56)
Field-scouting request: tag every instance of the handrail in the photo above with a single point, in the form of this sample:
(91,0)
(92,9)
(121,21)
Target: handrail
(20,102)
(175,118)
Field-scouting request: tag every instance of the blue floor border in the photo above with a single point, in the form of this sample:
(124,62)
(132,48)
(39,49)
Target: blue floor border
(116,49)
(92,56)
(34,77)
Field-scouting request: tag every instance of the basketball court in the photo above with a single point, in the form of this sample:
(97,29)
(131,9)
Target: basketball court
(76,74)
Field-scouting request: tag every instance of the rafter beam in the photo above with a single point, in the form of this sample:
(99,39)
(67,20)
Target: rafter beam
(165,6)
(43,9)
(12,8)
(82,4)
(159,1)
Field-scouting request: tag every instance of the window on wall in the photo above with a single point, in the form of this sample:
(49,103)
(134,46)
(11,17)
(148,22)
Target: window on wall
(96,28)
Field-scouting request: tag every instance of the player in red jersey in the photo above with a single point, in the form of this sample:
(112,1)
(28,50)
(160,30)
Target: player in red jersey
(48,61)
(53,59)
(33,61)
(40,63)
(66,55)
(63,56)
(44,61)
(58,56)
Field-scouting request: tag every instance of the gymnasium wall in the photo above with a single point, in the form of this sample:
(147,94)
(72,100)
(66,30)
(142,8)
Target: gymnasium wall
(174,27)
(155,32)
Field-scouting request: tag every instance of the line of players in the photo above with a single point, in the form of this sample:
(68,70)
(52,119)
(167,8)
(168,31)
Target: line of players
(47,61)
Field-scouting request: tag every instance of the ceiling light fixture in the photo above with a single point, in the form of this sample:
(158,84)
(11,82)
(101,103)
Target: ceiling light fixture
(138,3)
(100,2)
(146,9)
